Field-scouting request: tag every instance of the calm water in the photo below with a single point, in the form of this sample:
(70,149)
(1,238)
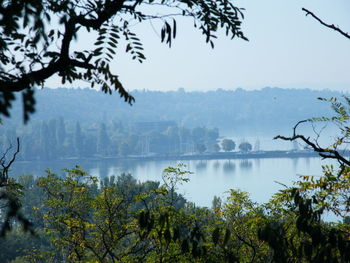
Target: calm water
(214,177)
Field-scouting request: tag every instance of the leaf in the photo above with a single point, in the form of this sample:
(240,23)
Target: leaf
(112,44)
(162,33)
(174,28)
(97,43)
(98,50)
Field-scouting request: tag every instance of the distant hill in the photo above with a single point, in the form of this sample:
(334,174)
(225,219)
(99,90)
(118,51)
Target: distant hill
(266,110)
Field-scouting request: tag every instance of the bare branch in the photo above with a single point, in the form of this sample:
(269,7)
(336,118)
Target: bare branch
(325,153)
(14,155)
(6,167)
(296,126)
(332,26)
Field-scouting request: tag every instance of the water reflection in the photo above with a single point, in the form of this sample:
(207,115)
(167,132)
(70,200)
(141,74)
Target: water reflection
(307,162)
(257,163)
(245,165)
(212,177)
(127,165)
(229,167)
(216,165)
(201,166)
(295,164)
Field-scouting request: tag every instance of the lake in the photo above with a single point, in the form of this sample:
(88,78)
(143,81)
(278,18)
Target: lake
(259,177)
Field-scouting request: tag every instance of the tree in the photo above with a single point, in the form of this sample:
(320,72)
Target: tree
(198,134)
(37,36)
(103,141)
(78,140)
(53,144)
(228,145)
(45,150)
(212,134)
(245,147)
(60,136)
(120,221)
(200,147)
(61,131)
(124,149)
(215,148)
(172,133)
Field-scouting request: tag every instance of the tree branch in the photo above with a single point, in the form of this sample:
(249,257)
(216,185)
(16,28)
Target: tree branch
(332,26)
(6,167)
(38,76)
(81,64)
(325,153)
(110,9)
(25,81)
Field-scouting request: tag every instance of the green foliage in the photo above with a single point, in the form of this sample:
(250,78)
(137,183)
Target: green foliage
(118,221)
(121,220)
(243,219)
(304,237)
(77,219)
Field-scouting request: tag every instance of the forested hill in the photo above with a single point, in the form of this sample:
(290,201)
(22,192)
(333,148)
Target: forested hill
(267,110)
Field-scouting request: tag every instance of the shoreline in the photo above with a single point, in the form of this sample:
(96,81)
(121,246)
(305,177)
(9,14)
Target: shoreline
(205,156)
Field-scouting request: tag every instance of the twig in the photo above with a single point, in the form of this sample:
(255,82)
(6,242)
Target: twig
(332,26)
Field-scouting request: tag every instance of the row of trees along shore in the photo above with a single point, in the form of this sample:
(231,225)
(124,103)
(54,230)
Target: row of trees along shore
(54,139)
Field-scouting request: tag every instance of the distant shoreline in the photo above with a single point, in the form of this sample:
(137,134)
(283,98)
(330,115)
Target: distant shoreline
(205,156)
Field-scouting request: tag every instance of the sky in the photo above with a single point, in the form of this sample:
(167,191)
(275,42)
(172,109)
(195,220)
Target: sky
(285,49)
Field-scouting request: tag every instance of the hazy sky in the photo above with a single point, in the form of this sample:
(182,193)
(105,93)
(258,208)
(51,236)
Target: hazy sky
(285,49)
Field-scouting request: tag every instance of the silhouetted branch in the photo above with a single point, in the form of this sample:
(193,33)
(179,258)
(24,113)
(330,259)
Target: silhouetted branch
(6,167)
(332,26)
(325,153)
(10,197)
